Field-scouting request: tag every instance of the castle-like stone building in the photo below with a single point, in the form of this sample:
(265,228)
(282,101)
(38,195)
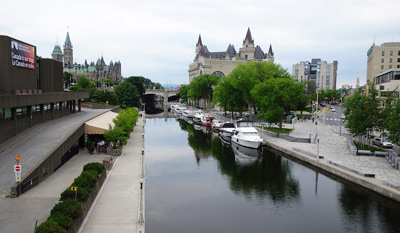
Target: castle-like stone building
(94,71)
(222,63)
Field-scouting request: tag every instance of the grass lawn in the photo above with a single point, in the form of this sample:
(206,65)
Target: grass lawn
(275,129)
(362,146)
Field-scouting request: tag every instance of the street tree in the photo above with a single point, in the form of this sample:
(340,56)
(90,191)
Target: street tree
(202,86)
(248,75)
(277,96)
(228,96)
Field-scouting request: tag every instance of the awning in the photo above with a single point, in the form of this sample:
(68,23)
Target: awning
(100,124)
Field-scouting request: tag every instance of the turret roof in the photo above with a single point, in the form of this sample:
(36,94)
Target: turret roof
(270,52)
(248,37)
(67,40)
(57,50)
(199,42)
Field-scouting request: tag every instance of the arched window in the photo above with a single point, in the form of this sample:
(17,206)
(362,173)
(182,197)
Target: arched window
(219,74)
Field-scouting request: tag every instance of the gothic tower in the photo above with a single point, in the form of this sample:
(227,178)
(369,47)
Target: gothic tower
(57,53)
(68,53)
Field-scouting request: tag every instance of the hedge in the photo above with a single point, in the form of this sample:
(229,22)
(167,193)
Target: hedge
(68,209)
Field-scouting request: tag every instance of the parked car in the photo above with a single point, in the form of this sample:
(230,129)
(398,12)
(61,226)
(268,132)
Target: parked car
(333,110)
(343,116)
(382,143)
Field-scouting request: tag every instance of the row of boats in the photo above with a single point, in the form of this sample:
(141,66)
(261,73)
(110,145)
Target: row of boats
(241,132)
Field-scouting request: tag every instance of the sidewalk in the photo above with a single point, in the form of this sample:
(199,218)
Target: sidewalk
(117,206)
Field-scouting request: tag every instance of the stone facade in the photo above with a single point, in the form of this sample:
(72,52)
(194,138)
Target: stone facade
(222,63)
(95,71)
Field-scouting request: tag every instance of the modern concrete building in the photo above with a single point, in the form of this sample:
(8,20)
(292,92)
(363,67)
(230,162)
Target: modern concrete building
(322,73)
(222,63)
(388,81)
(31,88)
(382,58)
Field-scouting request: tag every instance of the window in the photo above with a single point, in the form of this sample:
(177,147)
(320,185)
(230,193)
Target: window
(382,67)
(245,57)
(390,66)
(383,60)
(383,53)
(398,59)
(390,60)
(399,53)
(391,53)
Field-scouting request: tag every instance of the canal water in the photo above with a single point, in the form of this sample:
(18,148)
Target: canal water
(196,183)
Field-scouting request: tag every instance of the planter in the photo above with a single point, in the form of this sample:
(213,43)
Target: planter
(114,152)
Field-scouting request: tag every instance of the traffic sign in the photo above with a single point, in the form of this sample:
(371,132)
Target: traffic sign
(73,188)
(17,176)
(17,168)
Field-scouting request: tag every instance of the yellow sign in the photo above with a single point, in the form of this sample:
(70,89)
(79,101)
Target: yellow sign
(73,188)
(326,111)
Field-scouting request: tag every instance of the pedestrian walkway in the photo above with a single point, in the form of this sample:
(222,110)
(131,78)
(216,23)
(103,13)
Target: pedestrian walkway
(117,206)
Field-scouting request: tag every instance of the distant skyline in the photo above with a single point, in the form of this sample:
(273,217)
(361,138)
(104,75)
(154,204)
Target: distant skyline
(157,39)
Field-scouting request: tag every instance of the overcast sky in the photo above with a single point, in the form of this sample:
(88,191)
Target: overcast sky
(156,39)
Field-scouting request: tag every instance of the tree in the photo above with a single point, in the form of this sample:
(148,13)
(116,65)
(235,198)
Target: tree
(127,95)
(393,119)
(139,83)
(363,113)
(201,86)
(228,97)
(183,93)
(248,75)
(67,79)
(277,96)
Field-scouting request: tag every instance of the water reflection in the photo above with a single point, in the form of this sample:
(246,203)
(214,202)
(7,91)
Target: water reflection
(211,186)
(251,172)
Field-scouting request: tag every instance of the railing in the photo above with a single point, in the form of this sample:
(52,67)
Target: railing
(141,181)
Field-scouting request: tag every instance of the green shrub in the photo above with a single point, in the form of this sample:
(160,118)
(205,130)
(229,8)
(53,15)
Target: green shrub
(61,219)
(49,226)
(68,207)
(82,194)
(86,179)
(99,167)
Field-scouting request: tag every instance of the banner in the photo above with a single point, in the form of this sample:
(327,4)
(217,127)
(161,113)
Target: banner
(22,55)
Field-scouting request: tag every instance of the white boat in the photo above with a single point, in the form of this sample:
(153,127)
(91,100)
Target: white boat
(197,117)
(246,135)
(173,107)
(226,131)
(206,120)
(179,110)
(187,115)
(216,124)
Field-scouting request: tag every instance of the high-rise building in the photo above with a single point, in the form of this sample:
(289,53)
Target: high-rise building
(322,73)
(382,58)
(222,63)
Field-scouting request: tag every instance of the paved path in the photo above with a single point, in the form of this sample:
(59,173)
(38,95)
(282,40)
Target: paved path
(116,208)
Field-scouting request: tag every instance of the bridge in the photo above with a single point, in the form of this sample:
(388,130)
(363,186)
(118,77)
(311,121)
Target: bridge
(165,93)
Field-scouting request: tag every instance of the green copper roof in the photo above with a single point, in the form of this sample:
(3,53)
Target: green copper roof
(57,50)
(67,40)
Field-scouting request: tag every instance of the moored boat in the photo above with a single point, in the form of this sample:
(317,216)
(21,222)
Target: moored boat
(206,120)
(197,117)
(246,135)
(226,131)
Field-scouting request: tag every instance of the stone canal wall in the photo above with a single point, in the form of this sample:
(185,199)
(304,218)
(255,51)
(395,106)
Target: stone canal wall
(365,180)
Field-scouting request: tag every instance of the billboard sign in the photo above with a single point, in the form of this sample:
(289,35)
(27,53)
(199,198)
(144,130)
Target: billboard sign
(22,55)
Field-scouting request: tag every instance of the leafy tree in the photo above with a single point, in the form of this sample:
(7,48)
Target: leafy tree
(363,113)
(228,96)
(104,96)
(83,84)
(158,86)
(248,75)
(276,96)
(127,95)
(393,119)
(183,93)
(139,83)
(201,87)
